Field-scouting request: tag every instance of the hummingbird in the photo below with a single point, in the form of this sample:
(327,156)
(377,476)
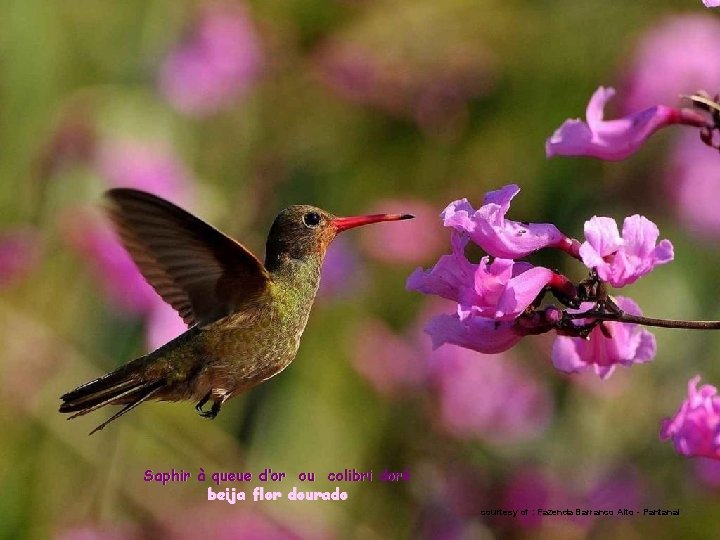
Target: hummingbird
(245,318)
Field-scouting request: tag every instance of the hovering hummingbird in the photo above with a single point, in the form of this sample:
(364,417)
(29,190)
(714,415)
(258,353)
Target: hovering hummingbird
(245,318)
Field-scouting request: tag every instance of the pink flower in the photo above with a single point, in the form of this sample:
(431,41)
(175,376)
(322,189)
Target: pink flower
(512,406)
(622,260)
(19,253)
(695,428)
(711,3)
(675,57)
(500,289)
(621,344)
(483,335)
(408,242)
(148,166)
(614,139)
(390,362)
(692,179)
(501,237)
(217,63)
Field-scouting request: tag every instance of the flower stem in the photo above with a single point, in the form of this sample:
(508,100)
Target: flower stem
(646,321)
(571,246)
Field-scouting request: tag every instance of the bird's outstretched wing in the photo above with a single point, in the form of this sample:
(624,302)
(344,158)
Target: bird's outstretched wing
(195,268)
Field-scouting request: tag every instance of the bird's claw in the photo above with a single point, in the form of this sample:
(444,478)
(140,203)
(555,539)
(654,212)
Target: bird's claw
(218,400)
(211,414)
(199,405)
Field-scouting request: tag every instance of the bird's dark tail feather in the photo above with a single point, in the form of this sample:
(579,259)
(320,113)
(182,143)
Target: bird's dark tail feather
(121,386)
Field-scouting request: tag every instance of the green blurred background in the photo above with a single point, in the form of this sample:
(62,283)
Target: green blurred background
(352,106)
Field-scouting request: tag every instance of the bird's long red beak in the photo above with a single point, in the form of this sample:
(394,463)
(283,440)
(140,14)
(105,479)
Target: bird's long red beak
(345,223)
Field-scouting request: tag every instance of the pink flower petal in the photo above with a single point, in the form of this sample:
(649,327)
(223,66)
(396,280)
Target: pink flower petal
(500,237)
(451,275)
(479,334)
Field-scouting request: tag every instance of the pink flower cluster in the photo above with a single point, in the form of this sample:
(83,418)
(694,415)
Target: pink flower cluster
(674,58)
(498,299)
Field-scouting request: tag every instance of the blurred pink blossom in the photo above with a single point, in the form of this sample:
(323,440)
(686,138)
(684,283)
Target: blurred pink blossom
(390,362)
(614,139)
(162,323)
(432,91)
(216,64)
(146,165)
(711,3)
(677,56)
(94,240)
(692,179)
(621,488)
(529,488)
(406,242)
(623,260)
(149,167)
(695,428)
(19,253)
(500,237)
(707,471)
(621,343)
(488,397)
(341,274)
(113,269)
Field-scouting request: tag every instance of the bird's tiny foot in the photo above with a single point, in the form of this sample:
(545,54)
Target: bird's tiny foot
(201,403)
(213,412)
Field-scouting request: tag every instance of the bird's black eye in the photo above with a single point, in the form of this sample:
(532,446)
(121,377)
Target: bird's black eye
(311,219)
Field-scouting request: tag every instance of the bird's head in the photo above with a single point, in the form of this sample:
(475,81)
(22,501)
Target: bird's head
(302,231)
